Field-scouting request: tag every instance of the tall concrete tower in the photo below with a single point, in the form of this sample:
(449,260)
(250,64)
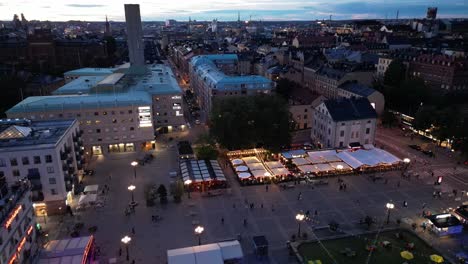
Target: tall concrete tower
(134,35)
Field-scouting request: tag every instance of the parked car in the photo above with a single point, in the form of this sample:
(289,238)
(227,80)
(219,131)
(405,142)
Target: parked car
(416,147)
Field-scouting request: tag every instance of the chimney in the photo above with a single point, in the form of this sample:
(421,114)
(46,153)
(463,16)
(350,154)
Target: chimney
(134,35)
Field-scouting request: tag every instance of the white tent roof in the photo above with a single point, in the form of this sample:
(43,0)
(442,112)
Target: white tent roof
(274,164)
(87,198)
(242,168)
(209,253)
(91,188)
(250,160)
(350,159)
(280,171)
(261,173)
(255,166)
(323,156)
(300,161)
(344,165)
(237,162)
(231,250)
(308,168)
(244,175)
(371,157)
(324,167)
(181,256)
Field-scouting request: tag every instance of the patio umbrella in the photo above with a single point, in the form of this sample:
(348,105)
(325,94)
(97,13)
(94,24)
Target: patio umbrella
(406,255)
(437,258)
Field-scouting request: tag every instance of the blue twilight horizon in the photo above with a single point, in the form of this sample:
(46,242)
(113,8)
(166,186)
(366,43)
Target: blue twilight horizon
(159,10)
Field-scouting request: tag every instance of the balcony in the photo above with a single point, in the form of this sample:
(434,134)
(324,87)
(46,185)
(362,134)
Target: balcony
(17,192)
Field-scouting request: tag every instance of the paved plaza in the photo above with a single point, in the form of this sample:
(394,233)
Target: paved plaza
(273,214)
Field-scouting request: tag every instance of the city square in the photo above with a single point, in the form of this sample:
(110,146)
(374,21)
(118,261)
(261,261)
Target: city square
(273,214)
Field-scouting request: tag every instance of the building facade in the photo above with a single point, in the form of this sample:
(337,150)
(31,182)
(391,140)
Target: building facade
(49,154)
(211,77)
(118,111)
(339,123)
(18,230)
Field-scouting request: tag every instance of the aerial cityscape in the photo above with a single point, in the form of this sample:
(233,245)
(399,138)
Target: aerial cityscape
(211,132)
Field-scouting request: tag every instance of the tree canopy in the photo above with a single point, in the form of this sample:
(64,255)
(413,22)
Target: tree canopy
(395,73)
(246,122)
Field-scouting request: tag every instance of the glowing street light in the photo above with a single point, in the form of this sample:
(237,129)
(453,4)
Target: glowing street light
(198,231)
(131,188)
(126,240)
(389,206)
(299,217)
(134,164)
(187,184)
(406,160)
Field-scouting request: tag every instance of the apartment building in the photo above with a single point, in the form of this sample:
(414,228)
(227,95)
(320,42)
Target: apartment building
(339,123)
(49,154)
(18,232)
(353,89)
(211,77)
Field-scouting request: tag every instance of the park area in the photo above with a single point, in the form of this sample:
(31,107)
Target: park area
(396,246)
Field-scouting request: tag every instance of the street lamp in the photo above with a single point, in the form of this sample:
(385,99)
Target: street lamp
(187,183)
(134,164)
(126,240)
(198,231)
(131,188)
(299,217)
(389,206)
(406,160)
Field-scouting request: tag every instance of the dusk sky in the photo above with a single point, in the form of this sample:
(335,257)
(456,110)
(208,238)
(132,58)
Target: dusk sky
(227,9)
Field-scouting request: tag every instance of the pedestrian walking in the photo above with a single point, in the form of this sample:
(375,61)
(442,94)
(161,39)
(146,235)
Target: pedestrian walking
(133,230)
(245,222)
(222,220)
(120,251)
(251,206)
(405,204)
(341,186)
(307,213)
(266,188)
(261,205)
(434,194)
(233,206)
(272,208)
(110,176)
(315,212)
(299,197)
(424,205)
(344,186)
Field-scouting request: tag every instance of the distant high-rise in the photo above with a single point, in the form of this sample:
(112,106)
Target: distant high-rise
(107,32)
(134,35)
(431,13)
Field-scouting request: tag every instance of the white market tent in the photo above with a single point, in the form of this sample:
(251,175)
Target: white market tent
(237,162)
(274,164)
(260,173)
(300,161)
(372,157)
(280,171)
(242,168)
(324,167)
(255,166)
(91,189)
(87,198)
(231,250)
(244,175)
(209,253)
(216,253)
(342,164)
(308,168)
(323,156)
(65,251)
(249,160)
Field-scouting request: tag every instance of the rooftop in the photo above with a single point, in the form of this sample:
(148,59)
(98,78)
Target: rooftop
(357,88)
(19,133)
(206,68)
(350,109)
(105,91)
(91,71)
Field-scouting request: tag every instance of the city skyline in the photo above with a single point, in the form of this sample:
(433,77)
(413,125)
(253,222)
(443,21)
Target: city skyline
(228,10)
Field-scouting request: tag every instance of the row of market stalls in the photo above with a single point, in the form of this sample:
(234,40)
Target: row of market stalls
(203,174)
(333,162)
(216,253)
(78,250)
(251,169)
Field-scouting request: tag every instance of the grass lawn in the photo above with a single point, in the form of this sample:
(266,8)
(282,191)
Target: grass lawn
(381,255)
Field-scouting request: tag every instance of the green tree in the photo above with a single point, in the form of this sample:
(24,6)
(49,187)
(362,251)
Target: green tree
(284,87)
(424,118)
(206,152)
(177,190)
(246,122)
(111,46)
(388,119)
(162,194)
(395,74)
